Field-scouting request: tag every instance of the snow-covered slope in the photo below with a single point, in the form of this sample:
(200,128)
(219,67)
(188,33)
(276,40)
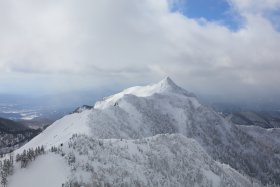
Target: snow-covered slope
(140,112)
(161,160)
(268,137)
(165,86)
(49,170)
(118,116)
(263,120)
(61,131)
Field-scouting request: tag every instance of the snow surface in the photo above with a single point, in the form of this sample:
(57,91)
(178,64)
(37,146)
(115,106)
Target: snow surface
(164,86)
(60,131)
(268,137)
(49,170)
(121,121)
(161,160)
(165,108)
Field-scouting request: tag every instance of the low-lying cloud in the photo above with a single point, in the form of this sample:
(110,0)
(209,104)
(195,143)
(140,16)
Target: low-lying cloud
(131,42)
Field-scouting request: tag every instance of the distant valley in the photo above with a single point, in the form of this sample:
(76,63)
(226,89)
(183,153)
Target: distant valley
(14,134)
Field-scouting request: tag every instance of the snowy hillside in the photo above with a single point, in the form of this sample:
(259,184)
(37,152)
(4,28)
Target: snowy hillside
(163,108)
(268,137)
(49,170)
(263,120)
(161,160)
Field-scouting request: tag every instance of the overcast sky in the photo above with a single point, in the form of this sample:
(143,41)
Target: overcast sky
(208,47)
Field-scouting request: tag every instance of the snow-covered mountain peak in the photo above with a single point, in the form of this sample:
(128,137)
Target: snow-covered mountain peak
(167,82)
(137,113)
(166,87)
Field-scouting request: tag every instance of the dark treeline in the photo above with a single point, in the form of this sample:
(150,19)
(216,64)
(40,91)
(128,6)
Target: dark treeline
(6,169)
(7,164)
(29,155)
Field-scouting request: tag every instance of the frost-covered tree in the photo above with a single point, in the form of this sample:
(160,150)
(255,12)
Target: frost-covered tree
(4,180)
(29,155)
(71,158)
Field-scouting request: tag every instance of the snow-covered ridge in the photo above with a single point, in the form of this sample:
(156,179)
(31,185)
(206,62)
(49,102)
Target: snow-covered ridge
(165,108)
(165,86)
(121,115)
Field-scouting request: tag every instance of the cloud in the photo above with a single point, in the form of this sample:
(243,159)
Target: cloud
(255,6)
(135,42)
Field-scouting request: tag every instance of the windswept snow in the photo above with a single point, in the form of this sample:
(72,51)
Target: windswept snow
(60,131)
(164,108)
(49,170)
(164,86)
(161,160)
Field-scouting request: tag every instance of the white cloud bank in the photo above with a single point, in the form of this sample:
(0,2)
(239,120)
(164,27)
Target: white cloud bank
(97,42)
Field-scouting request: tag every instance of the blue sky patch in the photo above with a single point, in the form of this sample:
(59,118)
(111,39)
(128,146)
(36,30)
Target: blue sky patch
(274,18)
(211,10)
